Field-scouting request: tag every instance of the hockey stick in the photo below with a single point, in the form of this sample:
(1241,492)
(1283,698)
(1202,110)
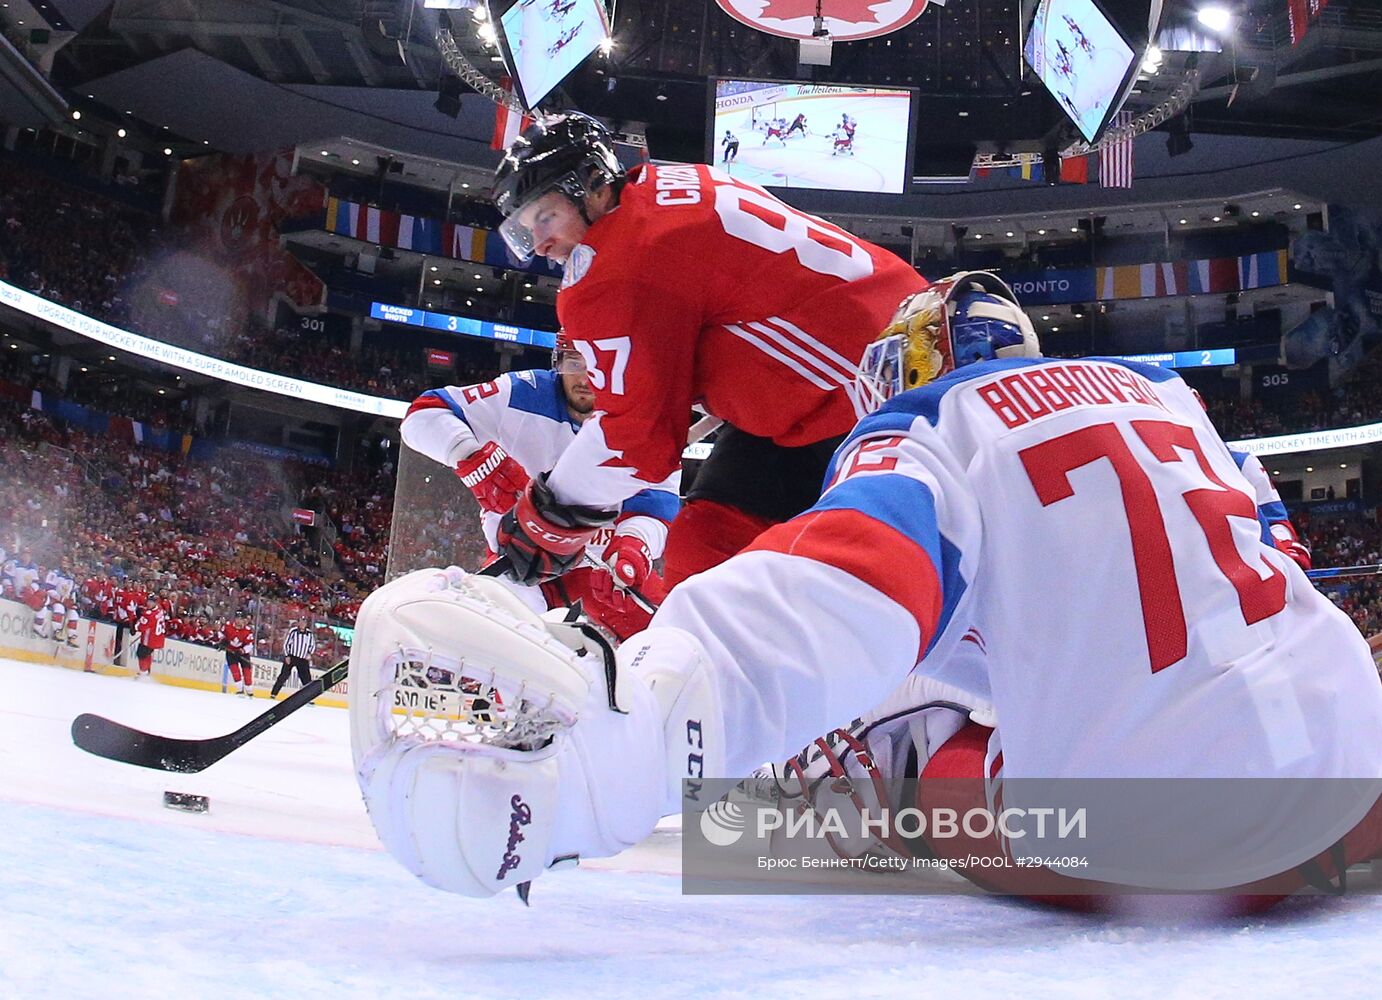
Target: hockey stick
(116,741)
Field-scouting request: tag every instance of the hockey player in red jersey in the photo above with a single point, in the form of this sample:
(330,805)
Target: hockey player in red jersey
(682,285)
(151,629)
(238,638)
(1045,579)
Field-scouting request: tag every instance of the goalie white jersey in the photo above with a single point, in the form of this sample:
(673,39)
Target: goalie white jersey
(1072,542)
(526,414)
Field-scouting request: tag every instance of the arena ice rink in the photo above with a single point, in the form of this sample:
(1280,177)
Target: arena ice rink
(880,146)
(281,891)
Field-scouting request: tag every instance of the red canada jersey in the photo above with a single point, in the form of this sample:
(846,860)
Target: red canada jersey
(128,602)
(238,638)
(152,627)
(700,288)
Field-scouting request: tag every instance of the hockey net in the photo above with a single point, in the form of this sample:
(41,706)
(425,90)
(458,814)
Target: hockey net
(436,520)
(440,698)
(762,114)
(436,523)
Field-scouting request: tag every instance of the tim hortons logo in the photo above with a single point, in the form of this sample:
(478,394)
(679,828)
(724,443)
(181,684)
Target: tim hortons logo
(520,817)
(846,20)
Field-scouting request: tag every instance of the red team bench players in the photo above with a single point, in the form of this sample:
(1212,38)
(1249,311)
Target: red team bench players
(1021,570)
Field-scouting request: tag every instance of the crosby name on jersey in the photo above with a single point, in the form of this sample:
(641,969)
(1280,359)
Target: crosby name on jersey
(700,288)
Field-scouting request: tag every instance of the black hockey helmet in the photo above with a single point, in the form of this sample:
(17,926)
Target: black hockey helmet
(570,152)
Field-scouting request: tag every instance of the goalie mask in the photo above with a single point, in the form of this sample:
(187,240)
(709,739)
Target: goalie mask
(970,316)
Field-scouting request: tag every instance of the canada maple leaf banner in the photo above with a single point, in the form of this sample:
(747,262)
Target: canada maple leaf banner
(846,20)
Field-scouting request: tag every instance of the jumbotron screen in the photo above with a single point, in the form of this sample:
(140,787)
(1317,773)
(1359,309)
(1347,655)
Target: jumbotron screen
(811,135)
(1082,59)
(544,40)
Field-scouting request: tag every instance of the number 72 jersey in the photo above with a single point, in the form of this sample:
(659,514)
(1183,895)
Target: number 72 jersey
(700,288)
(1101,573)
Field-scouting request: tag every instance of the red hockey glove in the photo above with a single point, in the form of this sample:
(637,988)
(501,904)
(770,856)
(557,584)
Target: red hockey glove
(614,608)
(1295,550)
(544,538)
(629,560)
(496,480)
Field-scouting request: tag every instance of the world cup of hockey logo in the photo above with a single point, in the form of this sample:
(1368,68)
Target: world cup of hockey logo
(723,824)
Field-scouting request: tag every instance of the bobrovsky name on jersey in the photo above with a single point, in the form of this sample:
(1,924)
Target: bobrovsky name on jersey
(464,325)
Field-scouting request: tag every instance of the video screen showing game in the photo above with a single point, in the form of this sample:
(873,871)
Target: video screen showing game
(1082,59)
(811,135)
(544,40)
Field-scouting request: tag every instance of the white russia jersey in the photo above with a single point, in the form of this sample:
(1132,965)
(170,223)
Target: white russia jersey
(524,413)
(61,586)
(1074,542)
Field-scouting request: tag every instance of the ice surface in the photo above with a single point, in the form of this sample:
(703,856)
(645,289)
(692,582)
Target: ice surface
(281,891)
(878,163)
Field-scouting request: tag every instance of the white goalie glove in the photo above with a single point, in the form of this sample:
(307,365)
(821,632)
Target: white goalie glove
(490,745)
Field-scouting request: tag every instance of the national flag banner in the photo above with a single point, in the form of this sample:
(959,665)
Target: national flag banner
(1298,17)
(126,429)
(1115,157)
(1262,270)
(1074,169)
(467,243)
(508,122)
(1191,277)
(1030,167)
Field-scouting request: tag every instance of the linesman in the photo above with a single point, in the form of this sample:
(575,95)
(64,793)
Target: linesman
(299,644)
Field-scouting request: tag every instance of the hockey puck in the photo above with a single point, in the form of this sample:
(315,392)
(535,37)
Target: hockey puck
(186,802)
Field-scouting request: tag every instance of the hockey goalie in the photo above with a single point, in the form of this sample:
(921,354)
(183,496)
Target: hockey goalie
(1019,569)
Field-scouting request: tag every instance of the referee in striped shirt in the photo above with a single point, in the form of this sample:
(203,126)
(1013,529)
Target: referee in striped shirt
(298,646)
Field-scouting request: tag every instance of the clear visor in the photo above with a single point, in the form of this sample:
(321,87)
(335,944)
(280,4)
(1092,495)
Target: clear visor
(520,230)
(880,374)
(568,363)
(518,236)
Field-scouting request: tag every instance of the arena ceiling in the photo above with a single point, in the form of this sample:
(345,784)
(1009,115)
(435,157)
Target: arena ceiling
(249,74)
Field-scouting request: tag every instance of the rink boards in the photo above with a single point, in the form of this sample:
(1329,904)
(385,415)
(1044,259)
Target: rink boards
(181,664)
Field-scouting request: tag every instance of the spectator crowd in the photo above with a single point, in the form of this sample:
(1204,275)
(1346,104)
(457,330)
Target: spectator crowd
(209,537)
(206,536)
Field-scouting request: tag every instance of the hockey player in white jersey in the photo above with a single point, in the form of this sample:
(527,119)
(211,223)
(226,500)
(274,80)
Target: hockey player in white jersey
(499,434)
(62,604)
(1065,549)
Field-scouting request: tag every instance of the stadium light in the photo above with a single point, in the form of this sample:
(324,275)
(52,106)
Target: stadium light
(1214,17)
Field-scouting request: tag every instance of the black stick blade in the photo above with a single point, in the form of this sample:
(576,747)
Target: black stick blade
(115,741)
